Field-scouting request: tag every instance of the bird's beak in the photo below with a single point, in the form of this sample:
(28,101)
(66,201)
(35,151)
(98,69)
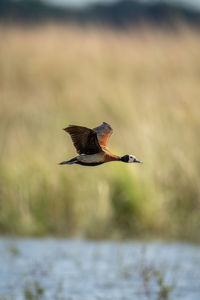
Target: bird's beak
(138,161)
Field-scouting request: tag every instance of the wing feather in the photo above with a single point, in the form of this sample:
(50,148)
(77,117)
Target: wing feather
(104,132)
(84,139)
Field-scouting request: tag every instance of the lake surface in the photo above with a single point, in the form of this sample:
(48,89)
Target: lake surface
(84,270)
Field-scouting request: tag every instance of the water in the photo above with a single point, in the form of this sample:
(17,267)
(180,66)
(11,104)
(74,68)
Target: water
(83,270)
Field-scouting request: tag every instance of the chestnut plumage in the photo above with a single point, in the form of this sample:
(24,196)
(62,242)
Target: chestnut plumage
(91,145)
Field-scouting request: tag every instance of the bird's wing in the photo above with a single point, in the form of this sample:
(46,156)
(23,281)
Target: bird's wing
(103,131)
(84,139)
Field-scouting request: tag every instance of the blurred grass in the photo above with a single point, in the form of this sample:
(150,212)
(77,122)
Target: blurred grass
(145,83)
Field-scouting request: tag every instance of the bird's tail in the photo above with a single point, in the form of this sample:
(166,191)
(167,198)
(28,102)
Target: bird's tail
(69,162)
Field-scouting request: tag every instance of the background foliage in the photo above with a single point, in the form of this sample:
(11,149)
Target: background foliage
(145,83)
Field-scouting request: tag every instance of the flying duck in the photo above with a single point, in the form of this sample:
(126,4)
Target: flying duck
(91,145)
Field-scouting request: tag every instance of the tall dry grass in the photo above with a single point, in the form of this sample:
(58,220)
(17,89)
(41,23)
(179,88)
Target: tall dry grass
(145,83)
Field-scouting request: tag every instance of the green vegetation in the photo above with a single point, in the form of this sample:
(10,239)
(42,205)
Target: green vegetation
(149,274)
(14,250)
(34,291)
(145,83)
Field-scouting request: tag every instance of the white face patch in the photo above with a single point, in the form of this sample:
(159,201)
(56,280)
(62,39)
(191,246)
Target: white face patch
(131,158)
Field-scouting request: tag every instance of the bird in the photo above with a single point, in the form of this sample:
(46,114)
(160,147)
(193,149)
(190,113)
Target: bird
(91,146)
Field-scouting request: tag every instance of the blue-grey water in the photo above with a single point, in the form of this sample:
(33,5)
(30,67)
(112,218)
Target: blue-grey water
(84,270)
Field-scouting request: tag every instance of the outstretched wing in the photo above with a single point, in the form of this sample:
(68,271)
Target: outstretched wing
(103,131)
(84,139)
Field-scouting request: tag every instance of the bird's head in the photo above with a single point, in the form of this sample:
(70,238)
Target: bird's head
(130,159)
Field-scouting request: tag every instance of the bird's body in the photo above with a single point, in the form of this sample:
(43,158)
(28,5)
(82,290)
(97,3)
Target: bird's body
(91,145)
